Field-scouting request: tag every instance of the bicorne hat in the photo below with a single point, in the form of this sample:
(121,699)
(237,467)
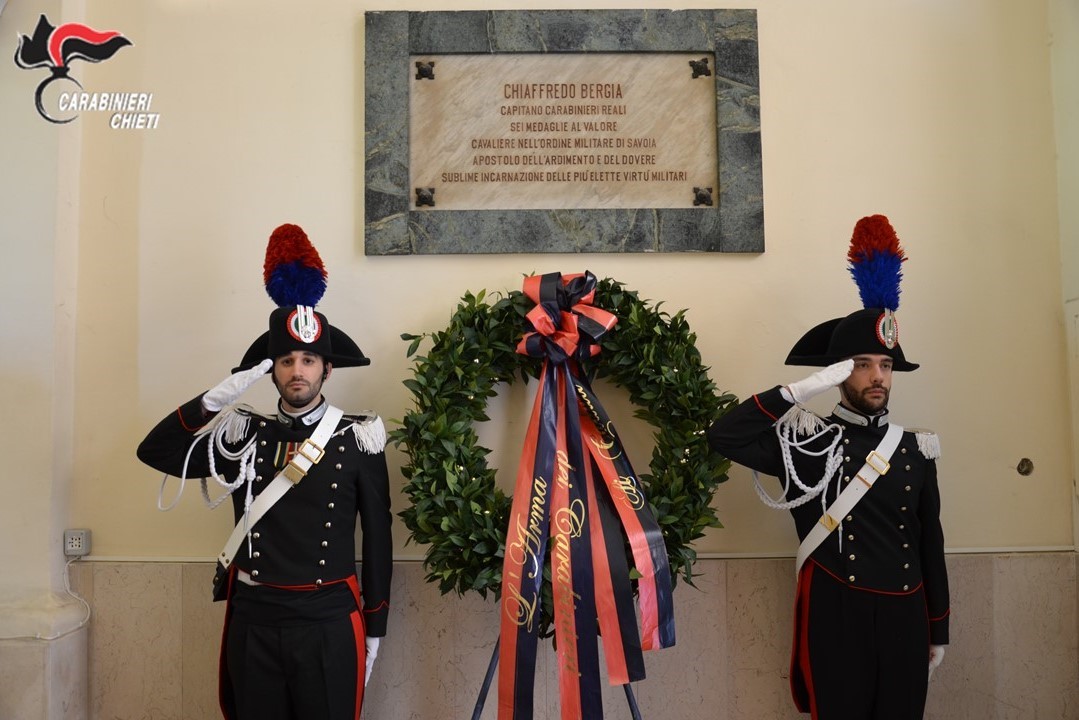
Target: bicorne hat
(296,280)
(875,258)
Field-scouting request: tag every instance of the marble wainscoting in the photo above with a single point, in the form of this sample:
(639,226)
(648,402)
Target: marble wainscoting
(1015,645)
(44,679)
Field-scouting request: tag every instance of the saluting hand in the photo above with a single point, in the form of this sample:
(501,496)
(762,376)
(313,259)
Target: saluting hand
(231,388)
(820,381)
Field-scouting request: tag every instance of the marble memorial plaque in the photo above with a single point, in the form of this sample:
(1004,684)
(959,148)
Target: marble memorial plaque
(560,131)
(659,168)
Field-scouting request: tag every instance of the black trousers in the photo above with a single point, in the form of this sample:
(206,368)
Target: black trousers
(859,655)
(295,672)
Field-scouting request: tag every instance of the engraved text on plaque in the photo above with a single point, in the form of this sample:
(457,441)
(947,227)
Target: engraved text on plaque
(562,131)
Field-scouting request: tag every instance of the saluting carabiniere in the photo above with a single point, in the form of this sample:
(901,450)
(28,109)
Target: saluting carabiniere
(301,631)
(871,609)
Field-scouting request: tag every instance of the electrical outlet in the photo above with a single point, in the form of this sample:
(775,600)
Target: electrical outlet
(76,542)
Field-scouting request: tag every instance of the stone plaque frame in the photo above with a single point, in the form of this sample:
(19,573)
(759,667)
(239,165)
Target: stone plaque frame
(735,224)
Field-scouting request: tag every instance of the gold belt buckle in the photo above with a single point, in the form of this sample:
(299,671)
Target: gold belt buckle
(311,451)
(876,461)
(294,473)
(828,522)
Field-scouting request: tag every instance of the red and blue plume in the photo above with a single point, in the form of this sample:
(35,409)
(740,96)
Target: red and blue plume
(293,272)
(875,262)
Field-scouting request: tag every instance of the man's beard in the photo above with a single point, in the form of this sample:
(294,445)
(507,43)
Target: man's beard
(300,397)
(864,404)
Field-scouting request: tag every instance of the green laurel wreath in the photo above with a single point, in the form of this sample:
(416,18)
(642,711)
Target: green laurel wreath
(455,507)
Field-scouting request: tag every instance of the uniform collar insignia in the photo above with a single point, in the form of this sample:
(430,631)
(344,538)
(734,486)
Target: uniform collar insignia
(309,418)
(856,418)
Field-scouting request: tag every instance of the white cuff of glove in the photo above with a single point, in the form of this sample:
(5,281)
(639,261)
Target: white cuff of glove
(372,653)
(936,656)
(819,382)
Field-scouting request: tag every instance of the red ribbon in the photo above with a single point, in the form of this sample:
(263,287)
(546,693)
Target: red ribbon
(573,491)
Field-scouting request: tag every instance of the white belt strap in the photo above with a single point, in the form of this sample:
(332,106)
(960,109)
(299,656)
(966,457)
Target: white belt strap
(876,464)
(309,453)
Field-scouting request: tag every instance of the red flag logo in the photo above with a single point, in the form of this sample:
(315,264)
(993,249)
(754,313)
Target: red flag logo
(56,47)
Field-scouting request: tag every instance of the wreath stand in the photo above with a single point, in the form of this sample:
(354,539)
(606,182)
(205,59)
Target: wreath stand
(635,712)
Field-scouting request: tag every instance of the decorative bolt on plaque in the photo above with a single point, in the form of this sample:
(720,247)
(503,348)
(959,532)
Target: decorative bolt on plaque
(425,196)
(426,70)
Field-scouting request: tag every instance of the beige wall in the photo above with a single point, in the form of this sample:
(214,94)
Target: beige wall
(937,114)
(39,240)
(1064,24)
(1064,52)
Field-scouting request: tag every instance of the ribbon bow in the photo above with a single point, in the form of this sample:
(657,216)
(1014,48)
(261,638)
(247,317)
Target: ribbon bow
(563,313)
(577,495)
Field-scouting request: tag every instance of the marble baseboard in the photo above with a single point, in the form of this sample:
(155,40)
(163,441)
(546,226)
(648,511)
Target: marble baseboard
(45,679)
(1014,653)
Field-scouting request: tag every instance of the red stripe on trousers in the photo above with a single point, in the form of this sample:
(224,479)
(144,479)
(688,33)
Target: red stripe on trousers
(801,628)
(359,631)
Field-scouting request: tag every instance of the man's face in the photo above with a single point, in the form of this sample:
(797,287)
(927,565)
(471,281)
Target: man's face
(298,377)
(869,384)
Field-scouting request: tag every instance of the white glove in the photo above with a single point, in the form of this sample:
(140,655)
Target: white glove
(228,390)
(936,655)
(372,653)
(819,382)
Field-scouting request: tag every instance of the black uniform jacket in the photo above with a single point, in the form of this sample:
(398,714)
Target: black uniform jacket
(307,539)
(892,540)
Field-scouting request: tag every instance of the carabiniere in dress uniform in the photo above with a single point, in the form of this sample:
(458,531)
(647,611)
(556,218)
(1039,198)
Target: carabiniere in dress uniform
(301,630)
(871,609)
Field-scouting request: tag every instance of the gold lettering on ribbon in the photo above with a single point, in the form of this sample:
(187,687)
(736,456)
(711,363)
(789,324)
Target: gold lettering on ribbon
(562,469)
(519,609)
(524,551)
(626,491)
(570,520)
(527,544)
(564,596)
(566,523)
(607,429)
(603,449)
(587,404)
(562,572)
